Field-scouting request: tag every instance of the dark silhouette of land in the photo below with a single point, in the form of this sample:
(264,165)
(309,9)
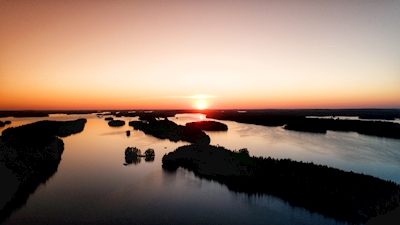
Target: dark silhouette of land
(133,155)
(208,125)
(109,118)
(166,129)
(296,120)
(25,113)
(342,195)
(29,156)
(2,124)
(375,128)
(116,123)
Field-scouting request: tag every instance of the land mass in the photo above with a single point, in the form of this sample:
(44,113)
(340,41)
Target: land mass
(166,129)
(208,125)
(297,121)
(342,195)
(29,156)
(116,123)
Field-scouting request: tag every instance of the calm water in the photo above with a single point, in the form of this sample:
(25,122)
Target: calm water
(92,185)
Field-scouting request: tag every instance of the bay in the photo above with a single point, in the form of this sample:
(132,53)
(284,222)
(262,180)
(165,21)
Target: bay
(92,184)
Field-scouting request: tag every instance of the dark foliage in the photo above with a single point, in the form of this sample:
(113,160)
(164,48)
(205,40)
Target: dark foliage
(133,155)
(166,129)
(116,123)
(149,152)
(208,125)
(295,120)
(23,114)
(332,192)
(44,129)
(2,124)
(29,156)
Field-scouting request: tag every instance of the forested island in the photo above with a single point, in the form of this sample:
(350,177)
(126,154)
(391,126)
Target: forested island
(166,129)
(296,120)
(2,124)
(208,125)
(342,195)
(29,156)
(116,123)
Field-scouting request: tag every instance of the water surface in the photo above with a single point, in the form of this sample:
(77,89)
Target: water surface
(92,185)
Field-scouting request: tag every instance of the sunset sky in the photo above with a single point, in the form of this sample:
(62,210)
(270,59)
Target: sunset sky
(199,54)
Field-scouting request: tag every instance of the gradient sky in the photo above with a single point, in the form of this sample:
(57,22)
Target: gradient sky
(238,54)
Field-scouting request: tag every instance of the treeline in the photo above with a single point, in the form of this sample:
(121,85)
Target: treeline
(44,128)
(30,155)
(2,124)
(342,195)
(166,129)
(299,122)
(208,125)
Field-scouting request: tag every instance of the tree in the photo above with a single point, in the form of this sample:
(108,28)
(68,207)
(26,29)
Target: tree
(149,152)
(132,151)
(244,151)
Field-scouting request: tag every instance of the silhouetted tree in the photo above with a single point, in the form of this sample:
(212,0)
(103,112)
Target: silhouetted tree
(149,152)
(132,151)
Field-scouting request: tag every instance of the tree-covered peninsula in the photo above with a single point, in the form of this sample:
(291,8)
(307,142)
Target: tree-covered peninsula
(29,156)
(339,194)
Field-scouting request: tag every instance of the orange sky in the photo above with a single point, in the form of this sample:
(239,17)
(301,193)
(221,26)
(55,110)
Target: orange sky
(159,54)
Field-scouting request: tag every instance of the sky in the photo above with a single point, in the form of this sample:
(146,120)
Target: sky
(227,54)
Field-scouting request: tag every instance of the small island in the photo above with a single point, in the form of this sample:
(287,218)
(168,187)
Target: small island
(166,129)
(116,123)
(208,125)
(133,155)
(2,124)
(109,118)
(317,188)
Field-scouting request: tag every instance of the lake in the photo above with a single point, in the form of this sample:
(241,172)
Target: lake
(92,184)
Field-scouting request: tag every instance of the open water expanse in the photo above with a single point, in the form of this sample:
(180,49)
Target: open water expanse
(92,184)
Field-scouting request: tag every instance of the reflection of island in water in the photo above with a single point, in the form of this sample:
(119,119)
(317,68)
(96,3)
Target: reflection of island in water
(29,156)
(342,195)
(134,155)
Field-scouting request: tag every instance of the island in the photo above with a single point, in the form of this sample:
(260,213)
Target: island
(208,125)
(116,123)
(29,156)
(133,155)
(2,124)
(335,193)
(166,129)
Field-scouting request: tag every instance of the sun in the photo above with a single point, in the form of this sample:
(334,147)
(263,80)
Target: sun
(201,104)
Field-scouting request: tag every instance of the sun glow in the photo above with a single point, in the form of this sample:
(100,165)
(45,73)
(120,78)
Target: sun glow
(201,104)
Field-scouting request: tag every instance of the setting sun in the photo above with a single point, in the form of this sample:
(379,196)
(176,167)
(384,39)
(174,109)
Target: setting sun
(201,104)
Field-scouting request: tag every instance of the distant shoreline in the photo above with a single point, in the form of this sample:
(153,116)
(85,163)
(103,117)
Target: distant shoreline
(290,119)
